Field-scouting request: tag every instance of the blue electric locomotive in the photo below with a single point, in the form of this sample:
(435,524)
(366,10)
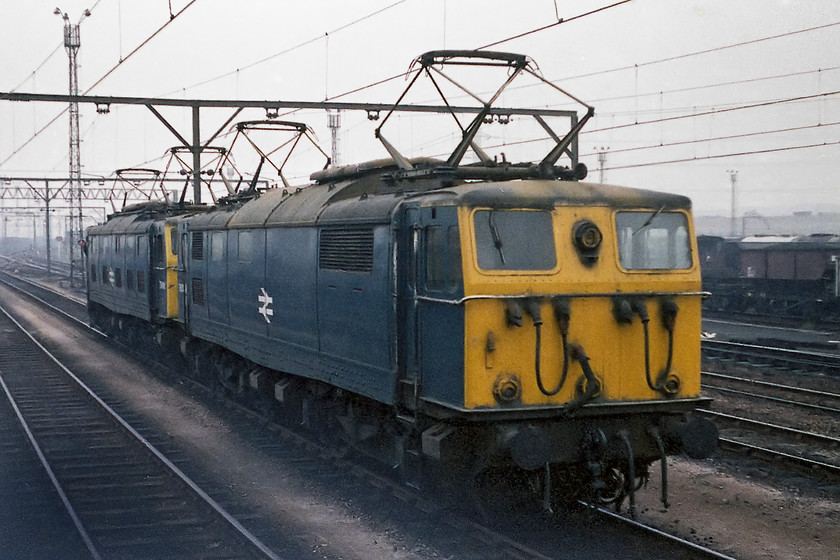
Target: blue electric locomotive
(432,314)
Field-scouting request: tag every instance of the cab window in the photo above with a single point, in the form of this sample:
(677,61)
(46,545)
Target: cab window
(173,240)
(443,258)
(653,240)
(514,240)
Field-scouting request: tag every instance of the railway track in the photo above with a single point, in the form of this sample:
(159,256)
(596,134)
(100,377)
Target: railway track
(784,436)
(810,399)
(124,496)
(785,421)
(500,536)
(774,319)
(39,266)
(767,356)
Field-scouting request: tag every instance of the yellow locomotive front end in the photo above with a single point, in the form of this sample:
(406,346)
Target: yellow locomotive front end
(582,327)
(589,281)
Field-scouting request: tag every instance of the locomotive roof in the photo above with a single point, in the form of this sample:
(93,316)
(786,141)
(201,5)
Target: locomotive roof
(126,223)
(547,194)
(370,199)
(138,217)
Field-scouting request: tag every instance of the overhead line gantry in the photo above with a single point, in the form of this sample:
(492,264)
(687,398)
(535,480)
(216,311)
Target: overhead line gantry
(196,146)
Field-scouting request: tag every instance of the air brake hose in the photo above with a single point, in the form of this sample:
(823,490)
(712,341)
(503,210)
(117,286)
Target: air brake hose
(669,311)
(653,431)
(631,471)
(593,386)
(669,314)
(641,309)
(532,308)
(663,375)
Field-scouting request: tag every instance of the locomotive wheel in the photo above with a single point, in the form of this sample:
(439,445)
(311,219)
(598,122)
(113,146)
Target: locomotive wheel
(568,484)
(615,488)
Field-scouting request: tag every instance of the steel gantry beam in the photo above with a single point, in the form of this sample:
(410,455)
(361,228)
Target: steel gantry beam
(103,102)
(108,189)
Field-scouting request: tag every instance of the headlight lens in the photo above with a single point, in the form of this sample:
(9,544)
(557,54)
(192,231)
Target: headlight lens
(587,236)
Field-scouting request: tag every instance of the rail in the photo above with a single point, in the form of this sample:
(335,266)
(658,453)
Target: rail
(49,424)
(755,354)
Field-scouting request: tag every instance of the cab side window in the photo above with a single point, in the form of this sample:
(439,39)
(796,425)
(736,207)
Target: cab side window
(443,258)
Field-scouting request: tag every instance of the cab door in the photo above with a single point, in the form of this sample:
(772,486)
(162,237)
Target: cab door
(157,280)
(434,312)
(164,268)
(187,287)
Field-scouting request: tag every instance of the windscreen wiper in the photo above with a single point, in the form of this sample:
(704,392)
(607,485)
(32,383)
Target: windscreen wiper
(649,220)
(497,239)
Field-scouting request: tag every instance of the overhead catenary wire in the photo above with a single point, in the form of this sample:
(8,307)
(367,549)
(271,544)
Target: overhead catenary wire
(108,73)
(665,60)
(720,84)
(694,115)
(617,69)
(700,52)
(727,155)
(37,68)
(555,24)
(718,111)
(721,138)
(817,71)
(543,28)
(685,55)
(140,46)
(173,16)
(323,36)
(707,113)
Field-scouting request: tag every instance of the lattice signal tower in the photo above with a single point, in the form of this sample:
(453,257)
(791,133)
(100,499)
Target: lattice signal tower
(72,42)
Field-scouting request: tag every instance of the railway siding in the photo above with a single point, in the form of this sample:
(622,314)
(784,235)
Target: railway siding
(125,500)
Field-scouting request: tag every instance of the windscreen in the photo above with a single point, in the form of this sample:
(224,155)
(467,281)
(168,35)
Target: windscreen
(653,240)
(514,240)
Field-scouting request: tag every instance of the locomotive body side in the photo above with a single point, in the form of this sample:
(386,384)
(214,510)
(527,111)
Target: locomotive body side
(119,266)
(133,288)
(296,292)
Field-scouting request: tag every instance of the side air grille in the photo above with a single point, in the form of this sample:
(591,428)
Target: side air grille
(350,250)
(198,245)
(198,291)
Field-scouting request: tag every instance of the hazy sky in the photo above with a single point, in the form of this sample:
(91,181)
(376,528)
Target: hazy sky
(693,67)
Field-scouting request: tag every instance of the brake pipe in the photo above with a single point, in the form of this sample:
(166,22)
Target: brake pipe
(532,308)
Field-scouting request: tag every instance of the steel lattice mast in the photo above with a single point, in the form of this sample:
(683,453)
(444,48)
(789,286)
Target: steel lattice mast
(72,42)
